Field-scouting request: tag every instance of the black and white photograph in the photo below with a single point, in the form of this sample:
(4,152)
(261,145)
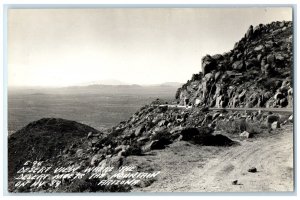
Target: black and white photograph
(143,99)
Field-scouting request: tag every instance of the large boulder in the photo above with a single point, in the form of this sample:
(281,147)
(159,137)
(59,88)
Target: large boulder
(116,161)
(139,130)
(275,125)
(217,57)
(208,64)
(257,30)
(278,96)
(79,153)
(272,118)
(121,147)
(219,140)
(259,48)
(155,144)
(246,134)
(249,33)
(238,65)
(270,59)
(96,159)
(205,136)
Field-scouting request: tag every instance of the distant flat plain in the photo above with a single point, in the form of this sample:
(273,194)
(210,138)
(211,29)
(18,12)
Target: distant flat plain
(98,106)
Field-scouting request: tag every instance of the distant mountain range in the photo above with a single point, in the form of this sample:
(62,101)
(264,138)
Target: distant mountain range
(113,82)
(170,84)
(104,82)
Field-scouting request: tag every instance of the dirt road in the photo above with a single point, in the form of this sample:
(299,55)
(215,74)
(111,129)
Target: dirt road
(276,110)
(214,170)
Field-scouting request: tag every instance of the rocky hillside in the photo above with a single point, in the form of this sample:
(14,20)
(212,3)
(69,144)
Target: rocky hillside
(257,72)
(45,139)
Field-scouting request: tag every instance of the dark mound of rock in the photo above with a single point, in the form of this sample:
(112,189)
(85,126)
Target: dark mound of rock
(44,139)
(57,125)
(204,136)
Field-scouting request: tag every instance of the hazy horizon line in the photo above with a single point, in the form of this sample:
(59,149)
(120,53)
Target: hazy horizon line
(78,85)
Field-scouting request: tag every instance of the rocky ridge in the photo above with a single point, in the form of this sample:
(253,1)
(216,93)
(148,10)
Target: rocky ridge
(257,72)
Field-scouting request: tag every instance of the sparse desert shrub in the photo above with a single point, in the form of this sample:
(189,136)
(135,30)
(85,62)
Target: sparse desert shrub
(242,125)
(254,128)
(162,135)
(238,126)
(231,127)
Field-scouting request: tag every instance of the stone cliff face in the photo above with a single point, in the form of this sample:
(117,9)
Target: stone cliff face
(257,72)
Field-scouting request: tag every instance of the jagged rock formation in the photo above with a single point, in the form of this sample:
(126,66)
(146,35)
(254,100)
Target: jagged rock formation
(256,73)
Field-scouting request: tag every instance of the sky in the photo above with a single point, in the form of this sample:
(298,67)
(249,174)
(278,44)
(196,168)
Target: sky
(65,47)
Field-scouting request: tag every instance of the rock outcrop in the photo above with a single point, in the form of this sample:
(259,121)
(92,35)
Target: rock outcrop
(48,139)
(257,72)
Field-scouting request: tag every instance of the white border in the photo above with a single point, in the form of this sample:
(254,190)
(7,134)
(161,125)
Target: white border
(123,2)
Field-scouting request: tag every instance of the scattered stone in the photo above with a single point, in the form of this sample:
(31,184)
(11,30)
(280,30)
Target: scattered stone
(215,116)
(252,170)
(116,161)
(90,134)
(276,32)
(259,57)
(162,123)
(122,153)
(239,56)
(272,118)
(93,142)
(238,65)
(246,134)
(96,159)
(120,148)
(279,57)
(197,102)
(143,139)
(155,144)
(258,48)
(235,182)
(275,125)
(176,129)
(270,59)
(79,153)
(139,130)
(291,118)
(217,57)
